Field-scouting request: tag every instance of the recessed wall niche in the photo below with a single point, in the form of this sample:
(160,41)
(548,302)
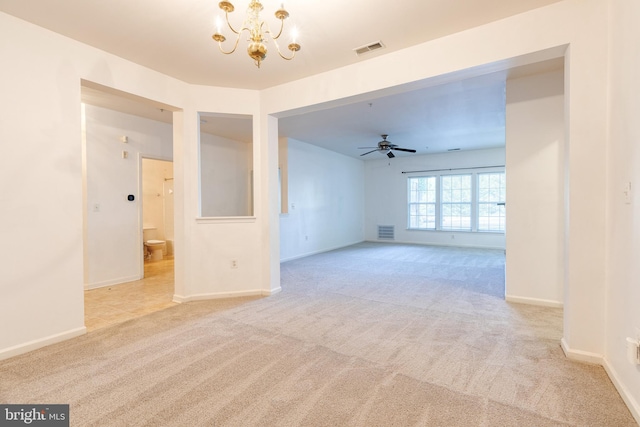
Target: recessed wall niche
(226,165)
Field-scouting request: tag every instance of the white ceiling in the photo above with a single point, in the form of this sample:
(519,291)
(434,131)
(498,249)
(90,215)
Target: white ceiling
(174,38)
(464,115)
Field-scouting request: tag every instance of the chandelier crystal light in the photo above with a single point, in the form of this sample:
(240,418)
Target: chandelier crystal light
(257,29)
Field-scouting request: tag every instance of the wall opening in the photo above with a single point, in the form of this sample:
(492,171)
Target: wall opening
(120,131)
(226,165)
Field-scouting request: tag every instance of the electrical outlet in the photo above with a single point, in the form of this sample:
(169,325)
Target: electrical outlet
(234,263)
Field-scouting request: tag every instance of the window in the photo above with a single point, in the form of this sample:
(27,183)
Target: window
(463,202)
(422,203)
(456,202)
(491,197)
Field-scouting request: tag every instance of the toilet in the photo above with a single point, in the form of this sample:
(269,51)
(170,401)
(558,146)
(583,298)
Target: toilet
(156,248)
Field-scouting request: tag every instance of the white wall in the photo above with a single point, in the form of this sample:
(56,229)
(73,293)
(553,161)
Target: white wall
(114,242)
(326,201)
(535,184)
(623,228)
(386,195)
(157,203)
(225,176)
(211,244)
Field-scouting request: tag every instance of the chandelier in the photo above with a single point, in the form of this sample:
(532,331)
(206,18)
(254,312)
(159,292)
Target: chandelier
(257,29)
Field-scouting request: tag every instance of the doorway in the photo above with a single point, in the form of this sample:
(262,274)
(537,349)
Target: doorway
(117,135)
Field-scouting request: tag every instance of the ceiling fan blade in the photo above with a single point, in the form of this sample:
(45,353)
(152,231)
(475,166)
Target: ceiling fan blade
(367,147)
(390,155)
(408,150)
(368,152)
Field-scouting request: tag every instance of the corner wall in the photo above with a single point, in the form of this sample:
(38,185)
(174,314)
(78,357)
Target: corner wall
(623,210)
(325,201)
(535,196)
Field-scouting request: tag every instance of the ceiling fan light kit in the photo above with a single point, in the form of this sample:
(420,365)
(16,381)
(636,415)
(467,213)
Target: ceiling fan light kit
(386,147)
(257,29)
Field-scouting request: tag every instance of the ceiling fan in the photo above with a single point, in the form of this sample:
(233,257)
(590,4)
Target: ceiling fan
(385,146)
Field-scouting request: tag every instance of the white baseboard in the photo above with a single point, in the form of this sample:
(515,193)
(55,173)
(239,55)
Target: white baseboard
(111,282)
(220,295)
(36,344)
(319,251)
(581,356)
(632,404)
(534,301)
(441,244)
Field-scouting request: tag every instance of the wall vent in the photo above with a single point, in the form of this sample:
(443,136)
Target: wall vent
(368,48)
(386,232)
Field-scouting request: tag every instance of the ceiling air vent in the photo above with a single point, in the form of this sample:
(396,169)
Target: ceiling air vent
(368,48)
(386,232)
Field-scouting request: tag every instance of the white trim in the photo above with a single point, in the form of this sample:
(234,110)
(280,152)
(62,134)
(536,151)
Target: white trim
(321,251)
(632,404)
(534,301)
(36,344)
(111,282)
(221,295)
(225,219)
(453,245)
(581,356)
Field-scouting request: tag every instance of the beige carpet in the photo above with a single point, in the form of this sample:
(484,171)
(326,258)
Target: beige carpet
(370,335)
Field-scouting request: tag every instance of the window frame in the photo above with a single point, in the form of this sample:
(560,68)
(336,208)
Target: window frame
(501,199)
(475,226)
(411,203)
(453,203)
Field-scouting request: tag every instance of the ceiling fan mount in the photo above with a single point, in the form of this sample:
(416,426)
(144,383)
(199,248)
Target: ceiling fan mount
(386,147)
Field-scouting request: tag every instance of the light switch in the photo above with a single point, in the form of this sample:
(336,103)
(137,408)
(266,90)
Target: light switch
(627,193)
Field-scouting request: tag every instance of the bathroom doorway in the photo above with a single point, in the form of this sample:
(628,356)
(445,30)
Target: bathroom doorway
(119,130)
(157,212)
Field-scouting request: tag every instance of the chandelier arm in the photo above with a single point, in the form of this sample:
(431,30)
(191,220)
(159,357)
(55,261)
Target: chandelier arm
(293,47)
(226,17)
(279,32)
(235,45)
(284,57)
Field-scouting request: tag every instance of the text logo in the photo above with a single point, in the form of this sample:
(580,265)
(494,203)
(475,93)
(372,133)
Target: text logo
(34,415)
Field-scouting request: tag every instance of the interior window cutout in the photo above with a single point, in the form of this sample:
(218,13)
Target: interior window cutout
(226,165)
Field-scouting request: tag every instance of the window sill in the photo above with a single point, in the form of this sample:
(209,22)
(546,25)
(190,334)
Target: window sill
(226,220)
(455,231)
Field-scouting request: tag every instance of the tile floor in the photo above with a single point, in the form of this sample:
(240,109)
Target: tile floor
(118,303)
